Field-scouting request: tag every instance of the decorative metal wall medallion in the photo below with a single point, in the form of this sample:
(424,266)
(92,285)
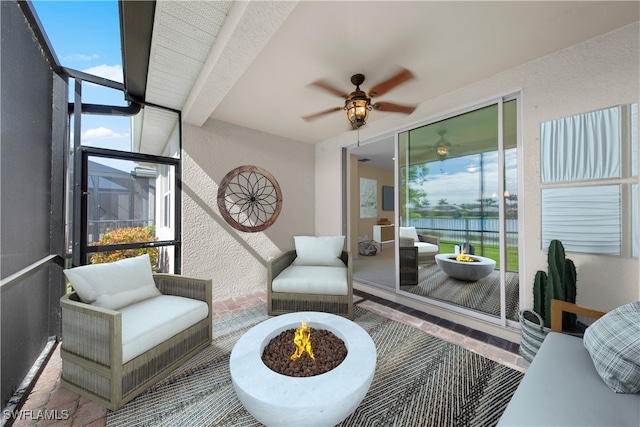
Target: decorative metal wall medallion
(249,198)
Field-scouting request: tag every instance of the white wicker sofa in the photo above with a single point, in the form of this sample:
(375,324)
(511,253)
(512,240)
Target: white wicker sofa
(316,276)
(124,328)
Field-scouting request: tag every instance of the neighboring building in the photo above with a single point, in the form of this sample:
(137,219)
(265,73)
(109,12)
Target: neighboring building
(119,199)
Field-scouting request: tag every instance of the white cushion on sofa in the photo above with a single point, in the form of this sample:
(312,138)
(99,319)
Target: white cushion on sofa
(321,280)
(151,322)
(116,284)
(318,250)
(408,232)
(563,388)
(425,248)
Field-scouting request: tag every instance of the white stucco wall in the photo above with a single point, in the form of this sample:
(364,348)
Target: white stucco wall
(598,73)
(235,260)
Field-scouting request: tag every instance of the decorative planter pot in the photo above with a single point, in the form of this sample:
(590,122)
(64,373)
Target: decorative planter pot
(533,333)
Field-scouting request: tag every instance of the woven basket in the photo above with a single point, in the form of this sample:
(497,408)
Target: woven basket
(533,333)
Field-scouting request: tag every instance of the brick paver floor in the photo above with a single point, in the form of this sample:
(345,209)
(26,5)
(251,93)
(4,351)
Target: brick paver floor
(50,404)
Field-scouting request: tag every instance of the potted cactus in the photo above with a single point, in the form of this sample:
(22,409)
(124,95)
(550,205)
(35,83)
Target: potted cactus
(559,283)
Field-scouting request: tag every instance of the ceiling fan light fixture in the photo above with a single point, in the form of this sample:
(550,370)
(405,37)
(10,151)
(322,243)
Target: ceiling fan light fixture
(358,103)
(357,110)
(443,146)
(442,150)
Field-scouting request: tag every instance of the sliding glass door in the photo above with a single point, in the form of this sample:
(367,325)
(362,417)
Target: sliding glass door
(457,182)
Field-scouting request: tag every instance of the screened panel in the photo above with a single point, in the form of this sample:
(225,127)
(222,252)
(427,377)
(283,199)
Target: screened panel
(152,130)
(161,257)
(156,131)
(102,95)
(110,132)
(130,211)
(122,202)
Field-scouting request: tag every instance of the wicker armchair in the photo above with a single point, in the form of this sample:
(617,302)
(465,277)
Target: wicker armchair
(287,302)
(91,349)
(423,258)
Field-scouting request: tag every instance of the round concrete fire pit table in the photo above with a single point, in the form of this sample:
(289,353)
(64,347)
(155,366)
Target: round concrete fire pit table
(322,400)
(467,271)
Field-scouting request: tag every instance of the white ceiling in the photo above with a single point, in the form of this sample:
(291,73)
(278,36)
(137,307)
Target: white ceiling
(257,72)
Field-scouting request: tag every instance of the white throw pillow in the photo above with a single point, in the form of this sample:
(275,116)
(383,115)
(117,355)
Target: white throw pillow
(408,232)
(116,284)
(321,250)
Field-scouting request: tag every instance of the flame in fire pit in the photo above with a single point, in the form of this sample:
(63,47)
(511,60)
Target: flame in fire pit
(464,258)
(302,340)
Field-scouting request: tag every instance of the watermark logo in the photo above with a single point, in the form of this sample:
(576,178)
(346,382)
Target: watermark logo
(39,414)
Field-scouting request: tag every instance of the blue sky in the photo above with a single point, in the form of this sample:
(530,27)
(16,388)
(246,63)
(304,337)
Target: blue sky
(451,180)
(85,36)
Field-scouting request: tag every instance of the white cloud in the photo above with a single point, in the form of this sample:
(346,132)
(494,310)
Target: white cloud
(101,132)
(81,57)
(111,72)
(457,188)
(447,180)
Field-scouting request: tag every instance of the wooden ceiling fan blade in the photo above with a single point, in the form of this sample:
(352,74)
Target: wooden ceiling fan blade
(400,77)
(327,87)
(321,113)
(390,107)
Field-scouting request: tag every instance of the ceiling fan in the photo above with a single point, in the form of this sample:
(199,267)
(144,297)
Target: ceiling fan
(442,147)
(358,103)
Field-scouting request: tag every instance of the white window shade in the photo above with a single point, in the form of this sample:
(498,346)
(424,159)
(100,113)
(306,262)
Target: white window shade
(585,219)
(581,147)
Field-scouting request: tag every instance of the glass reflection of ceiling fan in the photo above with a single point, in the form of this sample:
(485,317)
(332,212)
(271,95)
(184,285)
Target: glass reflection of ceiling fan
(443,148)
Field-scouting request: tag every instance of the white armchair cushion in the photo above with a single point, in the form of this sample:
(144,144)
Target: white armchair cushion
(408,232)
(116,284)
(425,248)
(151,322)
(320,280)
(321,250)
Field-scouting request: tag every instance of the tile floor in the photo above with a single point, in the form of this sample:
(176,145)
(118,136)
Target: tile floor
(49,400)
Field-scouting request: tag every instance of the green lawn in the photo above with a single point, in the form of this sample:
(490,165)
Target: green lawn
(489,252)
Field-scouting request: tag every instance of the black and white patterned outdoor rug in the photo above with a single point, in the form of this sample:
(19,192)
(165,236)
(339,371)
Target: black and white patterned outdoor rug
(482,295)
(420,380)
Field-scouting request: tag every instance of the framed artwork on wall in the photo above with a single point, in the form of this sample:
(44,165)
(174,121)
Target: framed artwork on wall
(387,198)
(591,152)
(586,219)
(249,199)
(368,198)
